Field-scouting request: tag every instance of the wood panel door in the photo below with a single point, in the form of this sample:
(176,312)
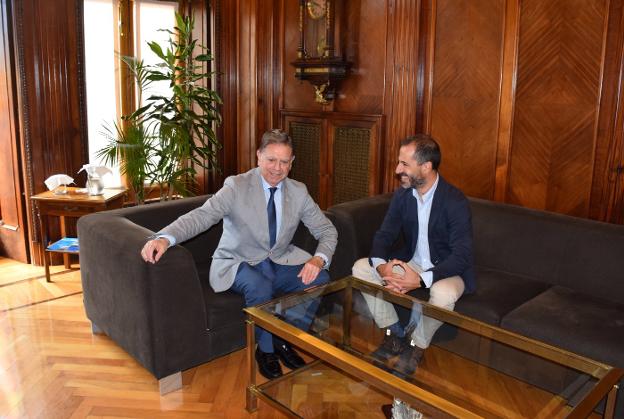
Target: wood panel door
(559,83)
(525,100)
(465,99)
(13,231)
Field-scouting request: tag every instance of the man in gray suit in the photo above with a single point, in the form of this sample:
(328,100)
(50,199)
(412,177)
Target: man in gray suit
(261,210)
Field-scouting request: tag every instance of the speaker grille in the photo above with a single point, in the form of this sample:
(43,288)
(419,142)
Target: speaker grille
(306,167)
(351,158)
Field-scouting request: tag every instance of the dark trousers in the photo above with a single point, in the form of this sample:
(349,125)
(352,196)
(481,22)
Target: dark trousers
(266,281)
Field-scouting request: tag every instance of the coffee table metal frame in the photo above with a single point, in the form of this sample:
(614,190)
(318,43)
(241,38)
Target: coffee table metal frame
(423,400)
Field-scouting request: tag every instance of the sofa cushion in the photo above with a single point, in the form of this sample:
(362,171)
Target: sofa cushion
(497,294)
(223,309)
(574,321)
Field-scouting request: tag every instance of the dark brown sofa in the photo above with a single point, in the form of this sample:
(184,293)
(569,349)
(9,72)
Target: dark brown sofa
(551,277)
(547,276)
(165,315)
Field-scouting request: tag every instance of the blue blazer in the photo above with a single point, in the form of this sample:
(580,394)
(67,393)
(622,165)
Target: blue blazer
(450,233)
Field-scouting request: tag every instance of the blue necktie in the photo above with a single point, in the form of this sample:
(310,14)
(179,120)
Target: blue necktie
(272,217)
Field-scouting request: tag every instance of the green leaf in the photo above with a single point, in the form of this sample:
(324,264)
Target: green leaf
(156,48)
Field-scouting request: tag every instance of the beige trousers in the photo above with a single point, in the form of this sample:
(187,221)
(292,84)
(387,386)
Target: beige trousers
(443,293)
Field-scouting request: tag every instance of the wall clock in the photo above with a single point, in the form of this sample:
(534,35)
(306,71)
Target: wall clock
(316,8)
(316,60)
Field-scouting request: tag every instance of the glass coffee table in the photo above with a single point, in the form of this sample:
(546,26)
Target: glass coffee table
(471,369)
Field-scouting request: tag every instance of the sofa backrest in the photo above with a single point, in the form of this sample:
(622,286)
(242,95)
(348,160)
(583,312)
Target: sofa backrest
(356,222)
(577,253)
(581,254)
(155,216)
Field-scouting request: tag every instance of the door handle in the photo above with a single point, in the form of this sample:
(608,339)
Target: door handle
(8,227)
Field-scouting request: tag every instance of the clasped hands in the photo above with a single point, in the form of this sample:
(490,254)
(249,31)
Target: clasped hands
(398,276)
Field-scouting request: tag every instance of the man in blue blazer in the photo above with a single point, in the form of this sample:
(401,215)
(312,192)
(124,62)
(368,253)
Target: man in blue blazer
(261,210)
(434,220)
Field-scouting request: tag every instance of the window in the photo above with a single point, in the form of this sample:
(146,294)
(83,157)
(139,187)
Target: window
(102,44)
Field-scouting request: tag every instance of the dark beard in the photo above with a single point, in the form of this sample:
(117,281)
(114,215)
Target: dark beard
(417,182)
(414,182)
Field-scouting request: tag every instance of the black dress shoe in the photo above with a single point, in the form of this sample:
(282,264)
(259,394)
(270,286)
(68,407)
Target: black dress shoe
(387,410)
(268,364)
(408,361)
(391,346)
(287,354)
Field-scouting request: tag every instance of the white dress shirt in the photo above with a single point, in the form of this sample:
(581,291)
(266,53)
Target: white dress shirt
(422,256)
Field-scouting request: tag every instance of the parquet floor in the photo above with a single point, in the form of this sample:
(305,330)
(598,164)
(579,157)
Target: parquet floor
(51,366)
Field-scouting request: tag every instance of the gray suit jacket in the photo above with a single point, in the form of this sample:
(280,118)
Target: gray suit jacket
(242,206)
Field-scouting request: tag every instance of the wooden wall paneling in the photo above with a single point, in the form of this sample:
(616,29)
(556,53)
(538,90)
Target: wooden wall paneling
(607,195)
(13,227)
(269,65)
(507,98)
(247,84)
(465,94)
(227,81)
(202,31)
(426,50)
(560,55)
(53,128)
(615,210)
(363,40)
(401,80)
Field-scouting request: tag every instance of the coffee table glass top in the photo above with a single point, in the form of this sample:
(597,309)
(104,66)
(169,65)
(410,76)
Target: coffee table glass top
(471,369)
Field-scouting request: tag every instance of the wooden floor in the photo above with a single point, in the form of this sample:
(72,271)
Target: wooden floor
(51,366)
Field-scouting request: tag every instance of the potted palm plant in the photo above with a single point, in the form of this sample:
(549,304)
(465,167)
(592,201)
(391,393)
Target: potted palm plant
(169,136)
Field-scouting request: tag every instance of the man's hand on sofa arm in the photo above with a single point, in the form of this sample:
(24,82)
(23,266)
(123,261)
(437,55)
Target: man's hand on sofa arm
(154,249)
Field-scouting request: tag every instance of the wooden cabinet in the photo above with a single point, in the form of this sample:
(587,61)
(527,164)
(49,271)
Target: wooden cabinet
(337,155)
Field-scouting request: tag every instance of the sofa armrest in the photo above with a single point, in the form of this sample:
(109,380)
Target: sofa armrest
(154,311)
(157,215)
(356,222)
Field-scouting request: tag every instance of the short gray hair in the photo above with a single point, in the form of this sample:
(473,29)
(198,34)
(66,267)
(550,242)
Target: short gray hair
(275,136)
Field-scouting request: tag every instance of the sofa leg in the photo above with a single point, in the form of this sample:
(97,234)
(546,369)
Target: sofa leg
(96,330)
(170,383)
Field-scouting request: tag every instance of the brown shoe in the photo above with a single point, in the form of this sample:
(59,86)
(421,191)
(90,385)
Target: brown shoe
(391,346)
(408,361)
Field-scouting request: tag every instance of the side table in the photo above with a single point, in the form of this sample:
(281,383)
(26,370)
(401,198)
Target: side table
(72,204)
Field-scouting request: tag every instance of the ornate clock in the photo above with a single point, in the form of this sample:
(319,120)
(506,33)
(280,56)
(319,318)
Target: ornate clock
(316,60)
